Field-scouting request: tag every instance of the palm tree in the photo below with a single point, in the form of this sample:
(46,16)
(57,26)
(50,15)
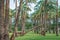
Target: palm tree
(24,10)
(46,6)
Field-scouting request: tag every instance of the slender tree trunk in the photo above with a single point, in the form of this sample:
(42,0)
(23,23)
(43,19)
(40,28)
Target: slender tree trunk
(42,28)
(23,22)
(16,24)
(24,18)
(57,19)
(54,30)
(34,25)
(17,16)
(16,20)
(45,16)
(1,19)
(10,24)
(6,21)
(49,26)
(44,19)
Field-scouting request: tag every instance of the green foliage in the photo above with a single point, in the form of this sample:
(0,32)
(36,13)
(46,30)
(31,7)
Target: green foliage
(28,25)
(32,36)
(32,1)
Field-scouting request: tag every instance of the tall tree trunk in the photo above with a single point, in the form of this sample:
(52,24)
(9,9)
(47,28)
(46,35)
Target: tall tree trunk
(57,19)
(54,30)
(6,21)
(10,24)
(24,18)
(42,28)
(34,25)
(45,16)
(16,24)
(49,26)
(44,19)
(23,22)
(17,16)
(1,19)
(16,20)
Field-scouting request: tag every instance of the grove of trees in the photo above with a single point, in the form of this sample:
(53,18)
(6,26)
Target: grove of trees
(45,18)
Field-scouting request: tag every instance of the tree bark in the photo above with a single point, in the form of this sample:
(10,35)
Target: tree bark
(6,21)
(54,30)
(1,19)
(10,24)
(17,16)
(49,26)
(16,24)
(57,19)
(16,20)
(23,22)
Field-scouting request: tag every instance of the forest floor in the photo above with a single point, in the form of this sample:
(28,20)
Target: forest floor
(33,36)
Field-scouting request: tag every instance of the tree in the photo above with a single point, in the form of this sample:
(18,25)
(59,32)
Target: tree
(16,24)
(6,21)
(2,19)
(10,19)
(57,19)
(47,10)
(16,20)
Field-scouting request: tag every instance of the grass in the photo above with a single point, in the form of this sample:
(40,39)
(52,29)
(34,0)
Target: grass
(32,36)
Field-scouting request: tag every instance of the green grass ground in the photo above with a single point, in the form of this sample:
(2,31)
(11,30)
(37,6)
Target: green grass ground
(32,36)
